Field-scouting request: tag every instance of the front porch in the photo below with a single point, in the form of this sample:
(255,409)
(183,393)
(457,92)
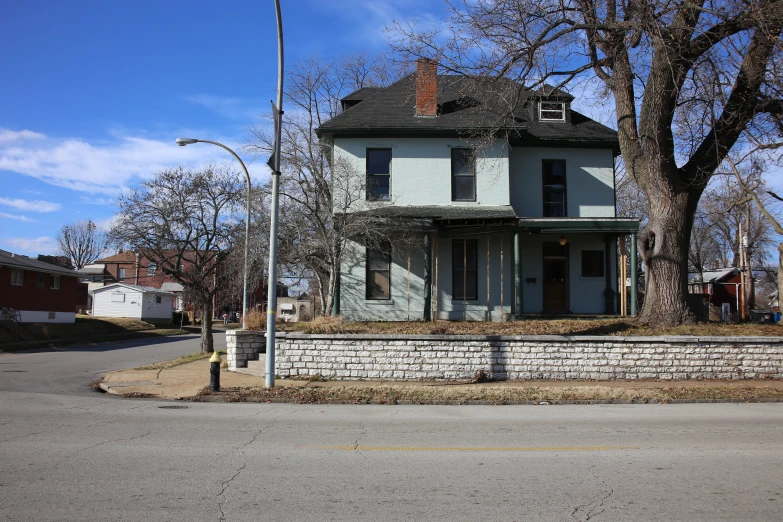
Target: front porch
(495,268)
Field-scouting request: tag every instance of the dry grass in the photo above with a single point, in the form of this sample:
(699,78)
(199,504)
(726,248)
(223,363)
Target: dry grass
(489,394)
(626,327)
(185,359)
(85,326)
(255,320)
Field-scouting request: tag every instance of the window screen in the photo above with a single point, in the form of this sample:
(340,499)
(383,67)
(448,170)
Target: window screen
(463,175)
(464,273)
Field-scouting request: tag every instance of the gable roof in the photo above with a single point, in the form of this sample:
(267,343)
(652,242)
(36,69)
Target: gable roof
(25,263)
(464,105)
(712,276)
(142,289)
(122,257)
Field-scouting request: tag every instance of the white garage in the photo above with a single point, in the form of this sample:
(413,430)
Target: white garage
(137,302)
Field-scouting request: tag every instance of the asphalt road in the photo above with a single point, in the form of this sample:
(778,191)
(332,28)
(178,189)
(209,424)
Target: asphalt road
(69,454)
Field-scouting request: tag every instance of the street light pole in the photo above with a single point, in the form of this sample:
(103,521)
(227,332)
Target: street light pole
(271,312)
(189,141)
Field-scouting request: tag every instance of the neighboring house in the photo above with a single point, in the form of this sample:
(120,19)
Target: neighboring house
(293,309)
(722,287)
(138,302)
(524,223)
(33,291)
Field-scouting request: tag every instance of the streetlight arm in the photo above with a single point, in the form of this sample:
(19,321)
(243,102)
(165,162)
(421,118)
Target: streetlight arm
(188,141)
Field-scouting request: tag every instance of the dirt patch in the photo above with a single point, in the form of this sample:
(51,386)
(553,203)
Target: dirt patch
(501,393)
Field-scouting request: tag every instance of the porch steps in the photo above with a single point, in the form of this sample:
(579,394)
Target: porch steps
(257,368)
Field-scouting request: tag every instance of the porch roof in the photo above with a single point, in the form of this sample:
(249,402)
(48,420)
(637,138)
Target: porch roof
(443,212)
(561,225)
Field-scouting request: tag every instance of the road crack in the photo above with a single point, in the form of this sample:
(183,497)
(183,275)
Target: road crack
(222,493)
(592,509)
(97,445)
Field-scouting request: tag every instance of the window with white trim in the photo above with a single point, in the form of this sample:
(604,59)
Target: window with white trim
(379,174)
(151,269)
(551,111)
(121,274)
(54,282)
(17,277)
(378,271)
(463,175)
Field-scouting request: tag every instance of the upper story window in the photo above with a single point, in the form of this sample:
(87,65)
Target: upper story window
(463,175)
(464,274)
(181,268)
(17,277)
(554,178)
(551,111)
(54,282)
(151,269)
(121,274)
(379,271)
(378,174)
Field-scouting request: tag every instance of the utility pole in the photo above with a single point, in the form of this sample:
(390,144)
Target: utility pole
(271,312)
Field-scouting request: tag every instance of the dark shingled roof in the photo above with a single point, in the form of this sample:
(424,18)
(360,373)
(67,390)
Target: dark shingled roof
(463,105)
(26,263)
(362,94)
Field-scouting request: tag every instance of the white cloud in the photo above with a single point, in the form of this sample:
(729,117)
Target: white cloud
(103,168)
(31,205)
(7,136)
(17,217)
(32,246)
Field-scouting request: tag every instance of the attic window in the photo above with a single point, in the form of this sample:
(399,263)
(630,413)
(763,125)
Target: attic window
(551,111)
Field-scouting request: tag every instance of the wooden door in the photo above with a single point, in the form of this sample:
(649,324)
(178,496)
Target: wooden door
(555,285)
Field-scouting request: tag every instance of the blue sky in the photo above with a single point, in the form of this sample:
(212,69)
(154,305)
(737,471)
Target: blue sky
(94,92)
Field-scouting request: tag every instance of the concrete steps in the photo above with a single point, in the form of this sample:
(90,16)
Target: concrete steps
(257,368)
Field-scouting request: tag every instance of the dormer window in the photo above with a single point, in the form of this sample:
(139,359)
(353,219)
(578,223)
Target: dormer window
(551,111)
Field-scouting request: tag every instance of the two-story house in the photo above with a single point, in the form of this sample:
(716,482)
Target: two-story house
(516,214)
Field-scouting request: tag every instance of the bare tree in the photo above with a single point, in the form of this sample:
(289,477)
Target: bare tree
(184,221)
(688,79)
(764,199)
(318,191)
(81,242)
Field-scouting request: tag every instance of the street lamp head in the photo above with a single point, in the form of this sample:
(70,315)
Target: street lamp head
(186,141)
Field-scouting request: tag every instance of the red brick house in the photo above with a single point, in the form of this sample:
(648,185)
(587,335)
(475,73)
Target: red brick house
(32,291)
(722,288)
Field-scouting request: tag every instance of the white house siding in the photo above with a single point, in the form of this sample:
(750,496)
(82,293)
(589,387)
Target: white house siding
(154,310)
(421,170)
(30,316)
(476,310)
(354,306)
(585,294)
(103,306)
(589,180)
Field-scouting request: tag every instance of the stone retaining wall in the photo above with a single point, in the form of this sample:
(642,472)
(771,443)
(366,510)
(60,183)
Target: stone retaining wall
(414,357)
(243,346)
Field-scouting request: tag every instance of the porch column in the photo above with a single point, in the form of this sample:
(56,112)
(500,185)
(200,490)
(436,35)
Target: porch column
(517,274)
(427,278)
(608,292)
(633,274)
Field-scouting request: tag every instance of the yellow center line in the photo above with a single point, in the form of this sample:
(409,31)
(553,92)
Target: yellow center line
(530,448)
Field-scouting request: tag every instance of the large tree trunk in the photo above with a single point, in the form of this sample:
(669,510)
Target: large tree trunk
(663,245)
(207,346)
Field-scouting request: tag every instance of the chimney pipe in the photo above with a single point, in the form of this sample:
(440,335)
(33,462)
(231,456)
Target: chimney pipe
(137,268)
(426,88)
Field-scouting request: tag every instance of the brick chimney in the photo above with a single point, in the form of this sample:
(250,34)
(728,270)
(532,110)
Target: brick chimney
(426,88)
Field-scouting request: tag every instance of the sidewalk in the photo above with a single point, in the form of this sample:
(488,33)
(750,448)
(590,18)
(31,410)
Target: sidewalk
(189,380)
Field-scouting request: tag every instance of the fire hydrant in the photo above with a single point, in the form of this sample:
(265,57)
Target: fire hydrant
(214,372)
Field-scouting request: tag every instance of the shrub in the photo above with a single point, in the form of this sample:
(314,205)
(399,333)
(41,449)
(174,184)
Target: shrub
(325,325)
(255,320)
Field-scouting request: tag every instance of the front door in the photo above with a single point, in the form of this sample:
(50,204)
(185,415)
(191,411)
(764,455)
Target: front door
(555,285)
